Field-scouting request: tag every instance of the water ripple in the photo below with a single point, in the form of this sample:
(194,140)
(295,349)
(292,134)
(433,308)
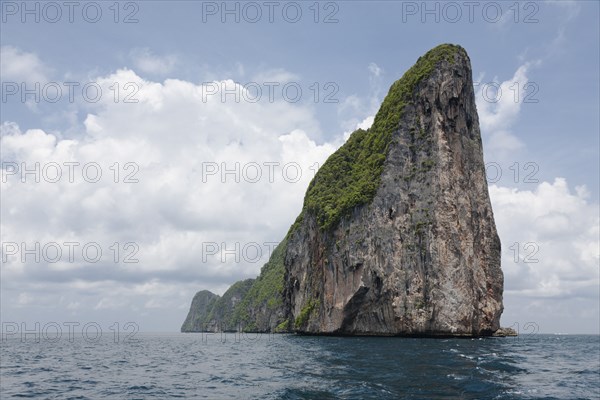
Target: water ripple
(194,366)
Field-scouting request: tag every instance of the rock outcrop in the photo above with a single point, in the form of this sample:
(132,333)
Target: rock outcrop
(397,234)
(212,313)
(253,305)
(505,332)
(202,305)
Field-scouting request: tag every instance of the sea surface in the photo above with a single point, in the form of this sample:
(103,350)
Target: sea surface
(230,366)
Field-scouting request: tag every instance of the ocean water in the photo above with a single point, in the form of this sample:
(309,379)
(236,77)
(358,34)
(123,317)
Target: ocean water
(229,366)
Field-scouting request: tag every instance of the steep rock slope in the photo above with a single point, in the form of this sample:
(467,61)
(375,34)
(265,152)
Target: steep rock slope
(202,304)
(212,313)
(396,235)
(253,305)
(413,249)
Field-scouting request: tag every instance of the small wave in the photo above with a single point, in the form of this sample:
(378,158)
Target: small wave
(457,377)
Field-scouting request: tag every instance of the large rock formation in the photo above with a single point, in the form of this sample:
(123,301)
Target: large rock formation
(397,235)
(254,305)
(213,313)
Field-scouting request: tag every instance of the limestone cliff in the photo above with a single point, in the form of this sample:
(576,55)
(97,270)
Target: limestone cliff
(202,305)
(212,313)
(396,235)
(254,305)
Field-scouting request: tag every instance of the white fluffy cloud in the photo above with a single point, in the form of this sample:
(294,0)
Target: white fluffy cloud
(148,62)
(17,65)
(550,255)
(180,144)
(499,105)
(352,108)
(550,240)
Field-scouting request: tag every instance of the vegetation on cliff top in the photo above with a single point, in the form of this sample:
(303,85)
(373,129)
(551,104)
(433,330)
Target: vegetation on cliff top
(350,176)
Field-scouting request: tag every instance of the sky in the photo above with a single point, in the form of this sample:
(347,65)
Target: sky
(152,149)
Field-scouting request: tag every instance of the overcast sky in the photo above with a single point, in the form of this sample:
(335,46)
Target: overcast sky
(178,138)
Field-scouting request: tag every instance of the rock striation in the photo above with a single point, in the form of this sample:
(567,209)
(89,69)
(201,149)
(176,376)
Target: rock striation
(397,234)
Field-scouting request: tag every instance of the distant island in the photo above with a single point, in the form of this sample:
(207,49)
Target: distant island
(396,235)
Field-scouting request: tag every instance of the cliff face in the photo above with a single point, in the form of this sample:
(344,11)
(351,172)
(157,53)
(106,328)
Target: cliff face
(202,304)
(423,256)
(254,305)
(212,313)
(397,235)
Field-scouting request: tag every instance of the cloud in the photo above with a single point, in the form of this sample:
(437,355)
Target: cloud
(374,69)
(550,239)
(196,159)
(146,61)
(569,10)
(17,65)
(366,123)
(499,106)
(550,257)
(356,111)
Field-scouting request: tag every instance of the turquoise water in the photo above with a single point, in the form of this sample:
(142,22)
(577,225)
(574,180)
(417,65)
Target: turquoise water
(163,366)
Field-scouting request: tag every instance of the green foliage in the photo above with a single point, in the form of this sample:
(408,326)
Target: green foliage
(222,309)
(305,313)
(268,287)
(209,309)
(266,291)
(427,164)
(296,223)
(202,304)
(283,327)
(350,176)
(250,327)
